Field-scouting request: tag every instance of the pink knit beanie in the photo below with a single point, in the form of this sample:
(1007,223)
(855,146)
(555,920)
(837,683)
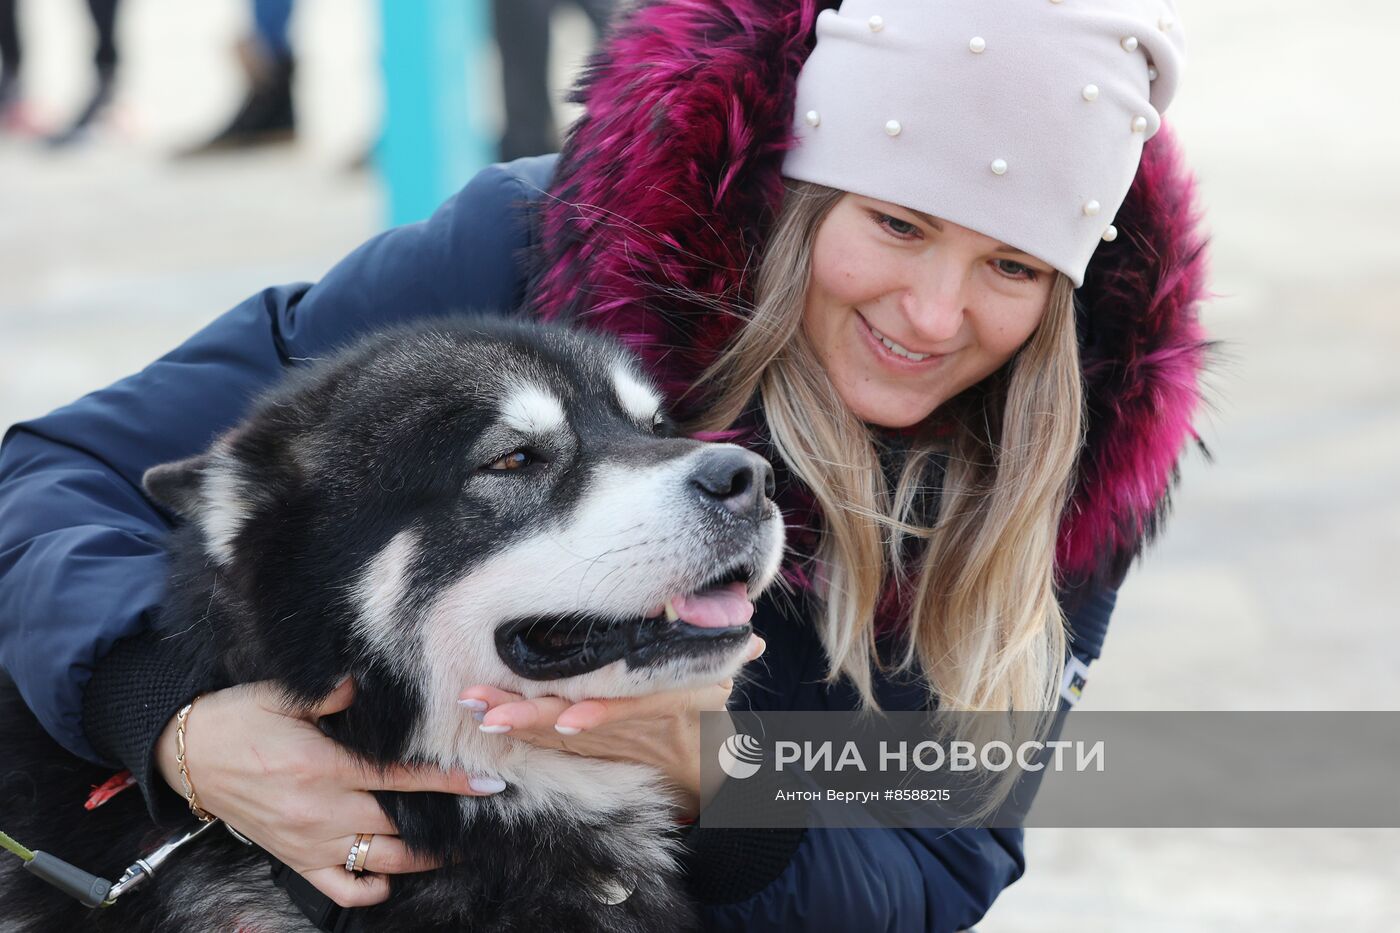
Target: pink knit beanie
(1021,119)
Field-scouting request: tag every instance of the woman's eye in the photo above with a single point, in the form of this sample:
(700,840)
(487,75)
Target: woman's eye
(900,228)
(515,460)
(1017,270)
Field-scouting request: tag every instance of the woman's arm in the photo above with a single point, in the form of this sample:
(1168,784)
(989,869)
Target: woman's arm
(82,559)
(82,562)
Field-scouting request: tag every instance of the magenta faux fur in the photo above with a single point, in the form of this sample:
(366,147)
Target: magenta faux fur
(666,187)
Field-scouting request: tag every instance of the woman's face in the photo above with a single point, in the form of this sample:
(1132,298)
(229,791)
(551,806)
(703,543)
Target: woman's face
(955,304)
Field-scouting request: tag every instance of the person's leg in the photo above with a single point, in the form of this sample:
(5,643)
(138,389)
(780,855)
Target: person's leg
(14,115)
(10,51)
(522,34)
(104,20)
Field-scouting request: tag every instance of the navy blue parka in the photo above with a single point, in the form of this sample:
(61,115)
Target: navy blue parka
(83,563)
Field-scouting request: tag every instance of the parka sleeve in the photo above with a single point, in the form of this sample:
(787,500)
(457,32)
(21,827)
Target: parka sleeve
(82,559)
(896,880)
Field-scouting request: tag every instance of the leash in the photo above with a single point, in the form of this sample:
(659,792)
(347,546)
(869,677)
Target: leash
(88,889)
(91,891)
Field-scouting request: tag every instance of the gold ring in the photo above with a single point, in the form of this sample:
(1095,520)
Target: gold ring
(359,852)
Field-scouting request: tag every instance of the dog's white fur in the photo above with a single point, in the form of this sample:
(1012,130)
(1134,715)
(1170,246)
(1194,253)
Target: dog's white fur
(533,410)
(638,399)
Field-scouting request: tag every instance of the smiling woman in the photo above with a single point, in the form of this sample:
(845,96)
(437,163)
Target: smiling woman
(905,314)
(845,276)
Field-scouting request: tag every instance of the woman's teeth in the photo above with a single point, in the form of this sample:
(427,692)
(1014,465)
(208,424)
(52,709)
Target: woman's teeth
(897,350)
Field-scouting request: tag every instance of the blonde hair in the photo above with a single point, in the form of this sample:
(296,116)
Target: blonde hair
(984,624)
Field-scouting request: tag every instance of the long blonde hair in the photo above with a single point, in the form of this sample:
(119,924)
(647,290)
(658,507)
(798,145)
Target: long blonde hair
(984,625)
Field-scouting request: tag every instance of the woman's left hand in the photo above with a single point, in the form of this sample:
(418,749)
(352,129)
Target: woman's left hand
(661,730)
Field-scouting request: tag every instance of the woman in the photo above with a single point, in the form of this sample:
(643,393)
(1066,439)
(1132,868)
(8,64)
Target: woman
(910,350)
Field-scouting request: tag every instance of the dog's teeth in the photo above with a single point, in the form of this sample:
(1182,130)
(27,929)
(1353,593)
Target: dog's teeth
(671,614)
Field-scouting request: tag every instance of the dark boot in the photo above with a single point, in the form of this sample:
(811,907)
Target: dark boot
(266,115)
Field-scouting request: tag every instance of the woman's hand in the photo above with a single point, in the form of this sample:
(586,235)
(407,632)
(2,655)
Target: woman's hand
(275,778)
(661,730)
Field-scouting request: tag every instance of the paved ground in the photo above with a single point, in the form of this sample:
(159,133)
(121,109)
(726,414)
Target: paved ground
(1274,587)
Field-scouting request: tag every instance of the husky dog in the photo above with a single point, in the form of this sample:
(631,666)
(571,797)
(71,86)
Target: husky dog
(471,501)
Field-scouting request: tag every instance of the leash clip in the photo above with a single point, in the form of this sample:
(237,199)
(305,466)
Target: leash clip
(144,868)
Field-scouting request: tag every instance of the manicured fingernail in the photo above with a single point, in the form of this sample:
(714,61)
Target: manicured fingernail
(478,714)
(470,703)
(486,785)
(566,730)
(494,730)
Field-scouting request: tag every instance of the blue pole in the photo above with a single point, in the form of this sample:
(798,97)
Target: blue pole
(433,139)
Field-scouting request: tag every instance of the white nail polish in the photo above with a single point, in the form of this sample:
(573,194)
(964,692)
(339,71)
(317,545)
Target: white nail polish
(493,730)
(486,785)
(566,730)
(474,704)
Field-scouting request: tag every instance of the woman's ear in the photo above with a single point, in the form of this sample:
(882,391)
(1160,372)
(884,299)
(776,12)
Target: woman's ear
(177,487)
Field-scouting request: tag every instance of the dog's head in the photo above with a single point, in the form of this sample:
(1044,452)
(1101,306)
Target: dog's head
(482,502)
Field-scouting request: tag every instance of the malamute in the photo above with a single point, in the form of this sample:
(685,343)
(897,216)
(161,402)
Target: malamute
(470,501)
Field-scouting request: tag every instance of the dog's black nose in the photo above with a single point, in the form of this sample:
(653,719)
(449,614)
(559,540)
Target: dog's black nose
(739,481)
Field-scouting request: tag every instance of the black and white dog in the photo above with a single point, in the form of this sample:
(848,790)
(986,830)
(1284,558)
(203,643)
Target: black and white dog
(472,501)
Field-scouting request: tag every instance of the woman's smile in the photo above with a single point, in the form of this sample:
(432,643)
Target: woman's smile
(893,354)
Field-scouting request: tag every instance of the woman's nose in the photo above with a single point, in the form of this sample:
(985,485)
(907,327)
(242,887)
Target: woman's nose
(934,302)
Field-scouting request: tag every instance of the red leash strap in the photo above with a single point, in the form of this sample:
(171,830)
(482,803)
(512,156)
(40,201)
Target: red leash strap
(109,789)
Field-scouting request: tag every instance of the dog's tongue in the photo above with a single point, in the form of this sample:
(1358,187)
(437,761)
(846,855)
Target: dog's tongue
(721,607)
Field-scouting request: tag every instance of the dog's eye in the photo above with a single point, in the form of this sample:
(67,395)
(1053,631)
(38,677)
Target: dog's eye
(659,425)
(515,460)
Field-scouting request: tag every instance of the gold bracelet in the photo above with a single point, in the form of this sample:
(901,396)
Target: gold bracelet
(202,814)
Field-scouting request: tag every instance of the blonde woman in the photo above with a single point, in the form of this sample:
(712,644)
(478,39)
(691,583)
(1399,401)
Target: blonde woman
(938,261)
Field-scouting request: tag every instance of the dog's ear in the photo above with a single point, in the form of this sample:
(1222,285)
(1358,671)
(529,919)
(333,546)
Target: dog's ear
(178,487)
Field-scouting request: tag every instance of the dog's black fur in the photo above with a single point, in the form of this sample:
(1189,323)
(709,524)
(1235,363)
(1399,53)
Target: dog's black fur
(326,471)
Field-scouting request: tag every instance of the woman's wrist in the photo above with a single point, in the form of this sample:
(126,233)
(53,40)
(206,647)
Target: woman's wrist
(129,704)
(697,786)
(172,760)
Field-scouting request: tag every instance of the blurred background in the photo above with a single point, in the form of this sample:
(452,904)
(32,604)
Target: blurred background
(218,152)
